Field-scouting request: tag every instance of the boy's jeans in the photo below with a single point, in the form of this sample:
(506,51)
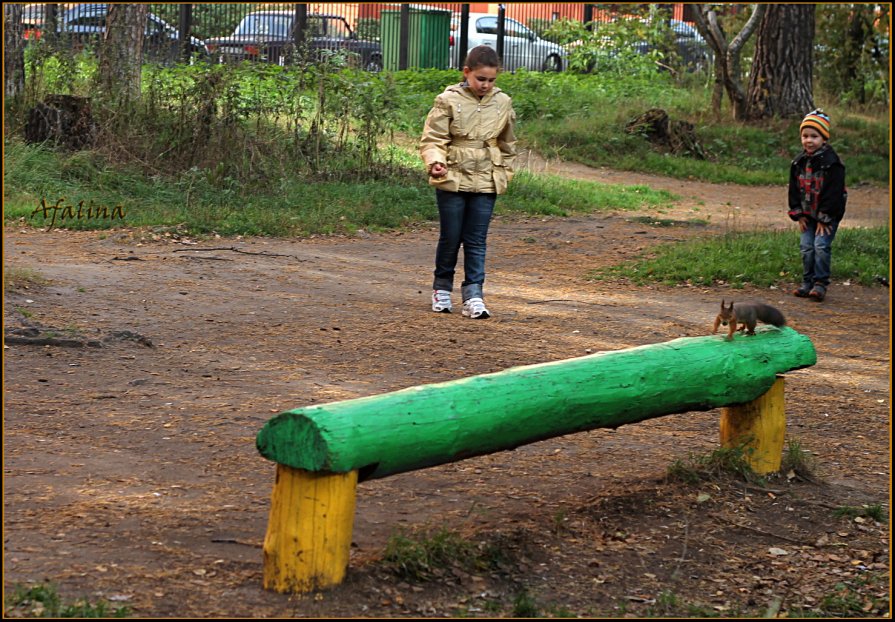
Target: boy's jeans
(464,217)
(816,255)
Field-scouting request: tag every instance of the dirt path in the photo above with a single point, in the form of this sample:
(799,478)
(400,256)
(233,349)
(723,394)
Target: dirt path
(130,470)
(723,205)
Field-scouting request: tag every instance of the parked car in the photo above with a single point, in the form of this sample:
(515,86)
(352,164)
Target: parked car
(691,47)
(610,47)
(522,48)
(85,24)
(268,35)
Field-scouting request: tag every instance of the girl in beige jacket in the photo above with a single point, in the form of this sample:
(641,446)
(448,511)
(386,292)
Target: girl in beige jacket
(469,148)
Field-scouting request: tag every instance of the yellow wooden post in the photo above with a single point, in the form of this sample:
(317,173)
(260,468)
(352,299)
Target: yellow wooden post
(308,537)
(759,427)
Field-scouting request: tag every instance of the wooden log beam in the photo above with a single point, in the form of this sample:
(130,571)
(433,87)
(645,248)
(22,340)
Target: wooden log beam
(439,423)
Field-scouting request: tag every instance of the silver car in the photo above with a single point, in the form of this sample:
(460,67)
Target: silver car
(522,48)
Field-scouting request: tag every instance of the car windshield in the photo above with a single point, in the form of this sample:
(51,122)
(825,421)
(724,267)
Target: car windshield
(512,28)
(265,24)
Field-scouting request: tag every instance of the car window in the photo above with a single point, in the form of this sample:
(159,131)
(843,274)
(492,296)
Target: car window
(265,24)
(338,29)
(316,27)
(512,28)
(92,21)
(486,26)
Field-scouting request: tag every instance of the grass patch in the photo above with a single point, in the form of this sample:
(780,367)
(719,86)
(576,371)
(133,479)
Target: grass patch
(584,121)
(21,278)
(722,461)
(43,601)
(427,556)
(798,461)
(874,512)
(553,195)
(525,606)
(863,597)
(206,202)
(760,259)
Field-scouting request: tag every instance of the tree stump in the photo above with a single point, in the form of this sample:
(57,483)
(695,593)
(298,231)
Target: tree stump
(64,120)
(678,137)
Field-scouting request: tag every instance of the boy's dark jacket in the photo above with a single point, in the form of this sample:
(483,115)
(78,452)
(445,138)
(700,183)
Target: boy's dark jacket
(827,170)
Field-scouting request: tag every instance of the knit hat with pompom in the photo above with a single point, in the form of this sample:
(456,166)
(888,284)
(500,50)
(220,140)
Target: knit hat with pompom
(817,120)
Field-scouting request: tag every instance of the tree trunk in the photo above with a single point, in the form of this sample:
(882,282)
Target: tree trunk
(727,55)
(780,82)
(14,50)
(859,30)
(121,59)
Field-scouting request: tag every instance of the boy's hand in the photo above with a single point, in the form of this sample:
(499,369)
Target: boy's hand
(437,170)
(803,224)
(822,229)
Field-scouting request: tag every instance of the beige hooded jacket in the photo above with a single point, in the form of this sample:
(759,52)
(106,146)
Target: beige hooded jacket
(473,138)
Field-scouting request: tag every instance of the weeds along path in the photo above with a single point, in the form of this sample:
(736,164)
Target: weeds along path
(130,470)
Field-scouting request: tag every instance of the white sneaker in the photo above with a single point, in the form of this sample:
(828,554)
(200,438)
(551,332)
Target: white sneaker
(441,301)
(475,308)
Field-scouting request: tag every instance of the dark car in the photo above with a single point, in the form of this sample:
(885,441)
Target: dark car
(269,35)
(85,24)
(692,50)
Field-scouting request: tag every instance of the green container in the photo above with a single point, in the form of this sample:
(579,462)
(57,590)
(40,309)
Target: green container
(428,41)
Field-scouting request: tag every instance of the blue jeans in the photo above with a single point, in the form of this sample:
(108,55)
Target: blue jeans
(464,218)
(816,254)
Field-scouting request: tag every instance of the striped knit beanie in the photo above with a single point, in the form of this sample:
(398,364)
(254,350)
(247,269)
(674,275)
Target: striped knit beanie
(817,120)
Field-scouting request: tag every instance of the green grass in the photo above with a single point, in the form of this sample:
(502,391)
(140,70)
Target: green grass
(202,204)
(587,126)
(725,460)
(549,194)
(43,601)
(761,259)
(863,597)
(798,461)
(525,606)
(874,511)
(422,557)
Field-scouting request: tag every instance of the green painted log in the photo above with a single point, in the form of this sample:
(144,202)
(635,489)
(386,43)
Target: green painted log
(438,423)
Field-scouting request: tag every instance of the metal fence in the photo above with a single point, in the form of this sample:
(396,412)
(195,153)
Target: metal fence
(375,36)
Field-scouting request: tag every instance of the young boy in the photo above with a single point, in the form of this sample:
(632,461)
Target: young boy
(817,197)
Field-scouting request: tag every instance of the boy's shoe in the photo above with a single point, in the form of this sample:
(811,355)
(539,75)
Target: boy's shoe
(474,308)
(804,291)
(818,293)
(441,301)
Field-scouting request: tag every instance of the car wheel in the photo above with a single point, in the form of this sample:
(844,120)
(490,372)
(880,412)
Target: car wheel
(553,63)
(375,64)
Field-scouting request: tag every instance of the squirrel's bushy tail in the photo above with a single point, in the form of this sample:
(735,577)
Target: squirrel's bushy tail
(770,315)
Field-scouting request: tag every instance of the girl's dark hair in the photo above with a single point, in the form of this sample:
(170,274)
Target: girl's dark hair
(482,56)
